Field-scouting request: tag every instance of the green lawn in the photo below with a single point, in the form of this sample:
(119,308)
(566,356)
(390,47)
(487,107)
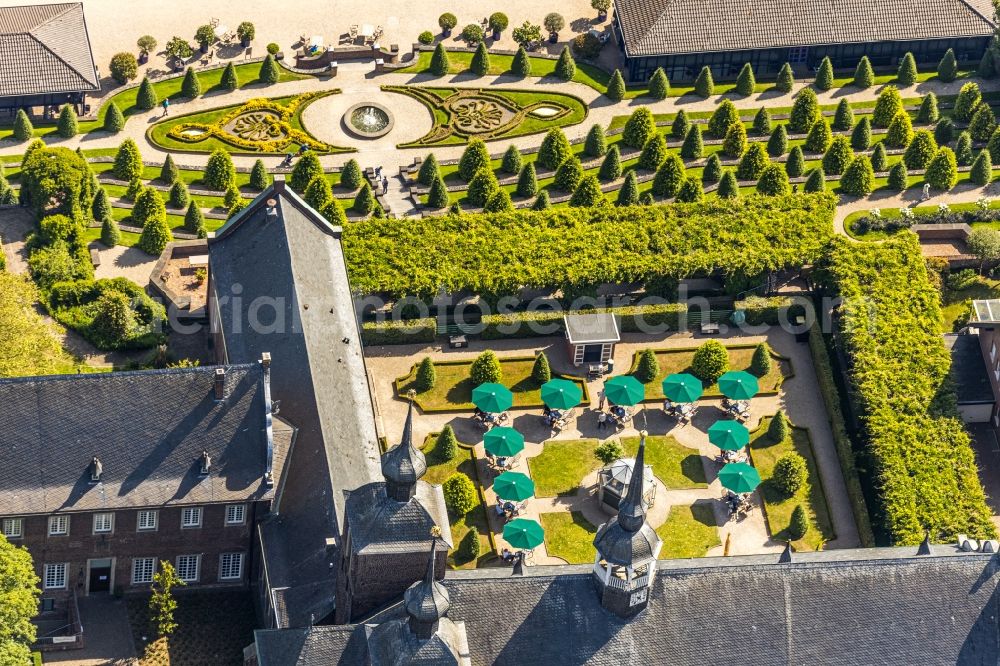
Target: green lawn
(765,454)
(955,304)
(894,213)
(569,535)
(453,389)
(689,531)
(676,465)
(561,466)
(679,360)
(438,471)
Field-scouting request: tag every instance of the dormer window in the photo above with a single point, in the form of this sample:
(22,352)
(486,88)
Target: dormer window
(205,463)
(96,469)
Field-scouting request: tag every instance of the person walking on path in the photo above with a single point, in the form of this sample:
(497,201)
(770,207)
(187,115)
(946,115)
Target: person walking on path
(385,185)
(166,105)
(601,397)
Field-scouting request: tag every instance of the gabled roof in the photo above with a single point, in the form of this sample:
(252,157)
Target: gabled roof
(662,27)
(45,49)
(147,428)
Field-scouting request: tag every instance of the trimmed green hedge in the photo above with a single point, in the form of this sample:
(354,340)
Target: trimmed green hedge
(890,325)
(767,310)
(503,253)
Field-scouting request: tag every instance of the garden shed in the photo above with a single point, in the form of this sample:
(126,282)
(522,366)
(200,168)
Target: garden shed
(591,337)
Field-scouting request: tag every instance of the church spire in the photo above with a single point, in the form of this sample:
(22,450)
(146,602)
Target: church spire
(426,601)
(632,510)
(403,465)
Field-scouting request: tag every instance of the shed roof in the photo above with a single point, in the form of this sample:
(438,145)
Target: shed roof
(968,370)
(663,27)
(591,328)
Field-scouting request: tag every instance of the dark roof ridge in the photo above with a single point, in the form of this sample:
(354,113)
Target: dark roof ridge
(115,374)
(280,190)
(989,19)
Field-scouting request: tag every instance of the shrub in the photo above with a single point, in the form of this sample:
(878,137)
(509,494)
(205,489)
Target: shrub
(907,72)
(609,451)
(527,181)
(864,76)
(274,48)
(712,172)
(900,131)
(985,244)
(899,179)
(824,75)
(704,85)
(861,137)
(947,69)
(690,190)
(486,369)
(128,161)
(155,233)
(426,37)
(540,371)
(499,203)
(711,361)
(306,168)
(628,195)
(148,204)
(669,177)
(735,142)
(521,65)
(928,112)
(816,182)
(653,154)
(680,126)
(114,120)
(790,473)
(568,175)
(611,167)
(983,123)
(260,179)
(447,21)
(528,35)
(178,196)
(746,82)
(982,169)
(786,80)
(67,126)
(887,106)
(124,67)
(819,137)
(639,127)
(778,429)
(204,35)
(588,193)
(761,363)
(498,22)
(987,68)
(921,150)
(879,158)
(101,208)
(110,234)
(364,201)
(762,122)
(113,318)
(425,380)
(616,87)
(177,48)
(351,176)
(565,66)
(659,84)
(795,165)
(804,113)
(230,80)
(542,201)
(146,44)
(858,178)
(438,196)
(724,117)
(480,64)
(966,103)
(963,149)
(429,170)
(191,86)
(693,147)
(553,22)
(799,525)
(773,181)
(135,188)
(193,219)
(753,163)
(554,150)
(482,187)
(318,194)
(942,172)
(470,548)
(269,73)
(596,144)
(146,98)
(446,445)
(994,146)
(220,173)
(729,188)
(439,61)
(843,118)
(459,494)
(246,31)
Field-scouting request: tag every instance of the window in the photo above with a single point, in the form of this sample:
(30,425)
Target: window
(231,566)
(146,520)
(58,525)
(187,567)
(235,514)
(55,576)
(191,517)
(142,570)
(12,528)
(103,522)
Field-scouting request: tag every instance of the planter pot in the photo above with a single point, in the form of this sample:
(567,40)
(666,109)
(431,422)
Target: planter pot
(143,58)
(244,43)
(553,37)
(602,16)
(496,35)
(203,48)
(280,55)
(446,32)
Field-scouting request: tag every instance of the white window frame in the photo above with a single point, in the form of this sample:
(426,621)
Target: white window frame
(182,569)
(147,513)
(145,566)
(240,509)
(13,528)
(100,518)
(54,525)
(190,511)
(55,573)
(227,561)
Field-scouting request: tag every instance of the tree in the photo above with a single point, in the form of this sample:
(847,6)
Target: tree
(790,473)
(735,142)
(639,127)
(659,84)
(67,125)
(220,173)
(193,219)
(837,156)
(942,172)
(568,175)
(19,584)
(439,61)
(753,162)
(746,82)
(541,372)
(864,76)
(994,146)
(887,106)
(110,234)
(114,319)
(760,363)
(861,137)
(987,68)
(724,117)
(23,130)
(669,177)
(429,170)
(364,201)
(653,153)
(486,369)
(928,112)
(459,494)
(553,23)
(693,145)
(588,193)
(799,525)
(446,444)
(786,80)
(966,103)
(521,65)
(269,73)
(648,368)
(983,123)
(843,118)
(146,98)
(616,87)
(470,548)
(982,169)
(921,150)
(777,429)
(773,181)
(907,72)
(680,126)
(447,21)
(712,172)
(710,361)
(307,168)
(527,181)
(177,48)
(351,176)
(565,66)
(178,196)
(762,122)
(611,167)
(128,161)
(124,67)
(963,149)
(879,158)
(899,178)
(900,131)
(816,182)
(542,201)
(804,113)
(527,35)
(191,86)
(609,451)
(480,64)
(114,121)
(947,69)
(824,75)
(318,193)
(246,32)
(729,188)
(704,85)
(628,195)
(482,187)
(147,206)
(795,165)
(984,243)
(438,196)
(819,137)
(858,178)
(101,208)
(690,190)
(554,150)
(499,203)
(259,177)
(426,376)
(162,603)
(155,232)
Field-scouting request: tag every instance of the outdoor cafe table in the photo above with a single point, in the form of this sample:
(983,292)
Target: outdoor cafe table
(367,30)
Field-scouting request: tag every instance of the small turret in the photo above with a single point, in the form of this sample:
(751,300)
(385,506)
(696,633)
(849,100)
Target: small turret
(403,465)
(427,601)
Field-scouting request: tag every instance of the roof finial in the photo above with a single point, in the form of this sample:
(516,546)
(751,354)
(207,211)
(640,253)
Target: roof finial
(632,510)
(786,554)
(925,545)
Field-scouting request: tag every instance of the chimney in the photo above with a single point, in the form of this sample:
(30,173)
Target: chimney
(206,463)
(96,469)
(220,384)
(265,360)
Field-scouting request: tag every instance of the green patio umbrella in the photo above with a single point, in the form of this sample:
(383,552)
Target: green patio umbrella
(561,394)
(513,486)
(729,435)
(493,398)
(738,385)
(523,533)
(624,390)
(682,387)
(739,477)
(503,441)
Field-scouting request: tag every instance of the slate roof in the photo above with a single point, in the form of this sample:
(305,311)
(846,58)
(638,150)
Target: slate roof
(315,646)
(968,369)
(596,327)
(381,524)
(45,49)
(662,27)
(148,429)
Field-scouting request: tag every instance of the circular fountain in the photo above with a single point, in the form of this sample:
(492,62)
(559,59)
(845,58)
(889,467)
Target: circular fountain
(368,120)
